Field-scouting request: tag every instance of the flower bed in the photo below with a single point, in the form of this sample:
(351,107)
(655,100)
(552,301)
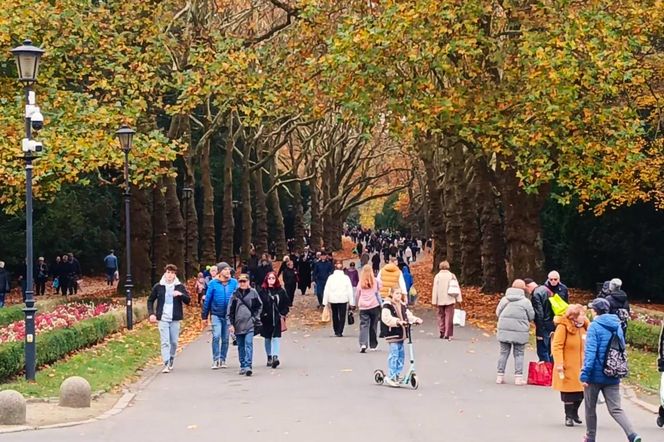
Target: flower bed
(62,316)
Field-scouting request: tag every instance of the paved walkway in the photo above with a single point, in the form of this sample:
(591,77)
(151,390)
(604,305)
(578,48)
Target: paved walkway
(324,392)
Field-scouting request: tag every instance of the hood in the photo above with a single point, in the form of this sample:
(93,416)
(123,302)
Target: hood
(390,268)
(569,325)
(619,296)
(514,294)
(176,281)
(608,320)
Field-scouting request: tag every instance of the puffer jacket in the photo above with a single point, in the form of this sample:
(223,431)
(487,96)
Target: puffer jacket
(514,313)
(245,304)
(218,298)
(390,277)
(338,289)
(597,341)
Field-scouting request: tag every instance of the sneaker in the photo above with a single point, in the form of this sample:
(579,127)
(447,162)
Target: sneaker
(577,419)
(363,349)
(242,372)
(391,382)
(248,372)
(275,361)
(634,438)
(215,365)
(269,361)
(500,379)
(518,380)
(170,363)
(373,349)
(222,364)
(167,368)
(569,422)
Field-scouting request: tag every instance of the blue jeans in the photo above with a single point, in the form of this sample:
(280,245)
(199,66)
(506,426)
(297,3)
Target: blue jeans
(320,289)
(2,299)
(272,346)
(168,334)
(395,359)
(544,349)
(219,332)
(245,349)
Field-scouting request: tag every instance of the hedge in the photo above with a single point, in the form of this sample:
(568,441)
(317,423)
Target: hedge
(11,314)
(56,344)
(642,335)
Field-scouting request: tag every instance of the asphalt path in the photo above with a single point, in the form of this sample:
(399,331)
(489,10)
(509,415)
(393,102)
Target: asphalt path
(324,391)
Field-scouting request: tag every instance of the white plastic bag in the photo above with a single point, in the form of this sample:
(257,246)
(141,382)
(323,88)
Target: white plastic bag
(459,317)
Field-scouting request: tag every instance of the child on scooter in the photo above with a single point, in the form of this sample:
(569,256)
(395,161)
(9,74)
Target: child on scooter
(394,317)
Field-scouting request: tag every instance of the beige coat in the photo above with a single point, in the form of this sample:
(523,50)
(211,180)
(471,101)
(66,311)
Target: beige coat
(441,283)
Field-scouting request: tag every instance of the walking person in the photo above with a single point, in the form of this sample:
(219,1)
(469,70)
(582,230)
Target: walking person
(338,293)
(368,303)
(111,266)
(600,333)
(514,312)
(394,318)
(619,304)
(216,306)
(568,347)
(323,268)
(353,275)
(76,274)
(55,274)
(66,269)
(290,277)
(4,283)
(41,276)
(170,295)
(444,301)
(275,302)
(244,314)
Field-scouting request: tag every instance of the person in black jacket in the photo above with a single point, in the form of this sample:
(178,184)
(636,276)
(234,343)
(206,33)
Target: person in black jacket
(41,276)
(618,300)
(544,315)
(170,294)
(304,271)
(4,283)
(275,305)
(290,276)
(65,277)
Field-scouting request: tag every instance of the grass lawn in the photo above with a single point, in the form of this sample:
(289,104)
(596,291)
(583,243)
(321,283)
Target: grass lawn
(105,366)
(643,370)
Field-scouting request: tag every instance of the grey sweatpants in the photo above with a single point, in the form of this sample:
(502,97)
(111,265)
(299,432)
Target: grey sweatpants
(612,396)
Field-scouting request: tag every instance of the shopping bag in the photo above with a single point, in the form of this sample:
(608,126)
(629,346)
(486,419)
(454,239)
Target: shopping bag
(284,326)
(326,315)
(459,317)
(540,373)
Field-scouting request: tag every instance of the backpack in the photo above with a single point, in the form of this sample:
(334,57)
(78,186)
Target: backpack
(623,315)
(604,291)
(615,359)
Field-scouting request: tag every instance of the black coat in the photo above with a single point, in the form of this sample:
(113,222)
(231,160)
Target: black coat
(159,294)
(275,304)
(4,281)
(304,271)
(290,276)
(618,300)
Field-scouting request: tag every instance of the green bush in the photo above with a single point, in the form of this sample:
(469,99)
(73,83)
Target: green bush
(642,335)
(11,314)
(56,344)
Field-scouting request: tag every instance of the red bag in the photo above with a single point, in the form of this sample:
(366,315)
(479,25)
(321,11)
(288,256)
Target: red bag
(540,373)
(284,327)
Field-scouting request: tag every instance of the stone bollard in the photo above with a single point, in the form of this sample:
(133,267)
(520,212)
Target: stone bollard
(12,408)
(75,392)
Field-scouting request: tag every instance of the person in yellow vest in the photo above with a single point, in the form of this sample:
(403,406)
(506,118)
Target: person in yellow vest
(390,277)
(443,301)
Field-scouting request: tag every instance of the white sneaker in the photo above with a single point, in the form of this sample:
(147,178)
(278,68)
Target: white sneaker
(167,369)
(223,364)
(391,382)
(215,365)
(519,380)
(363,348)
(500,379)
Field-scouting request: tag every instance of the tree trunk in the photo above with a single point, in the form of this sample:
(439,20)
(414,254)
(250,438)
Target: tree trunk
(494,275)
(175,225)
(274,203)
(523,229)
(452,210)
(316,228)
(471,257)
(245,189)
(298,211)
(140,247)
(208,250)
(228,222)
(160,245)
(260,206)
(434,203)
(189,208)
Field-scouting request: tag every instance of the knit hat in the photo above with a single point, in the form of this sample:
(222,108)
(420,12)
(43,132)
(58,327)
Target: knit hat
(600,305)
(223,265)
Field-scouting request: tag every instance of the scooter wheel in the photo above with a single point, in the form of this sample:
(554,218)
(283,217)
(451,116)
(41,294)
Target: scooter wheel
(379,377)
(414,383)
(660,421)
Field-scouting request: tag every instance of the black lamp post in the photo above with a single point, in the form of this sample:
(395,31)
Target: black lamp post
(27,61)
(125,135)
(187,192)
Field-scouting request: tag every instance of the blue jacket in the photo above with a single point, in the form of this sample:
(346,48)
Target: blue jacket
(407,277)
(597,341)
(218,298)
(322,270)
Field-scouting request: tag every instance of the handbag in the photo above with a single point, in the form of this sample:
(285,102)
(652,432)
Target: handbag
(453,288)
(325,316)
(284,327)
(459,317)
(351,318)
(540,373)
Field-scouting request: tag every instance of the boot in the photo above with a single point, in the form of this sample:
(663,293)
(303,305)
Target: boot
(569,414)
(269,361)
(275,361)
(575,417)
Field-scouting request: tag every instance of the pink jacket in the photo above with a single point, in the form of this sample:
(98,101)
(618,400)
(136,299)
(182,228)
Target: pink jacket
(365,299)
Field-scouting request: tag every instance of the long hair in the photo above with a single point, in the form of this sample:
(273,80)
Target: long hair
(367,279)
(277,284)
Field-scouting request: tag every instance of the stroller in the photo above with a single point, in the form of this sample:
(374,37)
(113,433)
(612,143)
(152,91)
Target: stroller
(660,366)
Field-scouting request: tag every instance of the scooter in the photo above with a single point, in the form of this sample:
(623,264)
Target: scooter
(411,377)
(660,366)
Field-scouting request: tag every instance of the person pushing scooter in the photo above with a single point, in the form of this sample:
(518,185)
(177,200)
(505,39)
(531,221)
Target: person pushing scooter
(395,318)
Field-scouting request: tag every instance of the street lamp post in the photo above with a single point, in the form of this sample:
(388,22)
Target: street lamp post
(187,192)
(125,135)
(27,61)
